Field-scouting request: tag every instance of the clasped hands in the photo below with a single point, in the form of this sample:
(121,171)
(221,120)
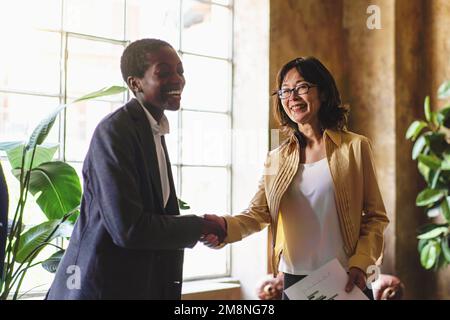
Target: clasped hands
(214,230)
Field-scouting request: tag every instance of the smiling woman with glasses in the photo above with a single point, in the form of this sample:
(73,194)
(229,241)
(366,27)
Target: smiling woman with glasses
(322,201)
(301,89)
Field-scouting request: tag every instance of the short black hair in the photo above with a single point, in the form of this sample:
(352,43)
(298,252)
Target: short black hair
(332,114)
(134,60)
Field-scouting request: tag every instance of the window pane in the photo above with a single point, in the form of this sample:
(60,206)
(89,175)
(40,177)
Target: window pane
(205,138)
(205,190)
(30,61)
(42,14)
(206,29)
(20,114)
(82,119)
(224,2)
(208,84)
(172,137)
(153,19)
(195,265)
(104,18)
(175,178)
(92,65)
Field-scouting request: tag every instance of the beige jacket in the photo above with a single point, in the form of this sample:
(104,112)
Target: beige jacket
(362,216)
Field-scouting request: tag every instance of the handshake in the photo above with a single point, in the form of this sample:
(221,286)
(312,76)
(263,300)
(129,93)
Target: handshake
(214,230)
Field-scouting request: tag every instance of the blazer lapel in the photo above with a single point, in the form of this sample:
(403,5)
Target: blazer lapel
(172,203)
(147,143)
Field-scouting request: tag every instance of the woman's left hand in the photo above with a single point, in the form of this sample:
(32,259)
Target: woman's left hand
(355,276)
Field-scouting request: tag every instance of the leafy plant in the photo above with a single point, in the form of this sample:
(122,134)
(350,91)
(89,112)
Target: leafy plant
(57,190)
(432,151)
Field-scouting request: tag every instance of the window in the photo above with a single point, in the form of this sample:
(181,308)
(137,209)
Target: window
(61,50)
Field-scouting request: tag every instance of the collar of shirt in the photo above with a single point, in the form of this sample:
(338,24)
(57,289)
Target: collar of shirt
(160,128)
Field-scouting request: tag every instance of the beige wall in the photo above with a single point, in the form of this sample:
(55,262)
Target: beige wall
(384,75)
(437,49)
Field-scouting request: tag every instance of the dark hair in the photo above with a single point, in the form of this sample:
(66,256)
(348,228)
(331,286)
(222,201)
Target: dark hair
(332,115)
(134,60)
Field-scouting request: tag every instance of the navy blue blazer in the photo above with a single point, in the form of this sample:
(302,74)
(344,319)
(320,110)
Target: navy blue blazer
(125,244)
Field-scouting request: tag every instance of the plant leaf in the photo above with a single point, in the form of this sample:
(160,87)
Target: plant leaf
(418,147)
(52,263)
(445,165)
(432,162)
(5,146)
(445,208)
(414,129)
(429,196)
(433,233)
(428,255)
(421,244)
(427,109)
(43,128)
(445,248)
(425,171)
(444,90)
(434,212)
(37,235)
(58,186)
(107,91)
(183,205)
(44,153)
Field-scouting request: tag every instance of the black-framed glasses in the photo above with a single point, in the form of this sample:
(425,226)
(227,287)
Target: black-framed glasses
(299,90)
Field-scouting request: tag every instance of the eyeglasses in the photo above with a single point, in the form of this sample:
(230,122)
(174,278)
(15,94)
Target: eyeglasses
(299,90)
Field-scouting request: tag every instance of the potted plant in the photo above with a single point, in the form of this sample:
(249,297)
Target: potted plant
(57,188)
(432,151)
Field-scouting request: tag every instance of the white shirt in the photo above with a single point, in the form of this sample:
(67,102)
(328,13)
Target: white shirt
(310,221)
(158,131)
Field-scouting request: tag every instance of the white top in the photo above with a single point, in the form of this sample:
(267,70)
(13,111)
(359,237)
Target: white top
(158,131)
(310,221)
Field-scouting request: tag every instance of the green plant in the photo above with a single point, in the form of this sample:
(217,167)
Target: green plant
(56,187)
(432,150)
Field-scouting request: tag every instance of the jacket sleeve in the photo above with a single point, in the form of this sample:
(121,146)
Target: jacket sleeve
(113,178)
(255,218)
(374,219)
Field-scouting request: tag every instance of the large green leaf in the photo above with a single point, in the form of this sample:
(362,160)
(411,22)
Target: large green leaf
(418,147)
(429,196)
(44,153)
(52,263)
(6,145)
(107,91)
(58,187)
(37,235)
(429,254)
(414,129)
(432,161)
(444,90)
(43,128)
(433,233)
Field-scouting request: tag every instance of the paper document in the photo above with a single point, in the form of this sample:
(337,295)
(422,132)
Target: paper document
(326,283)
